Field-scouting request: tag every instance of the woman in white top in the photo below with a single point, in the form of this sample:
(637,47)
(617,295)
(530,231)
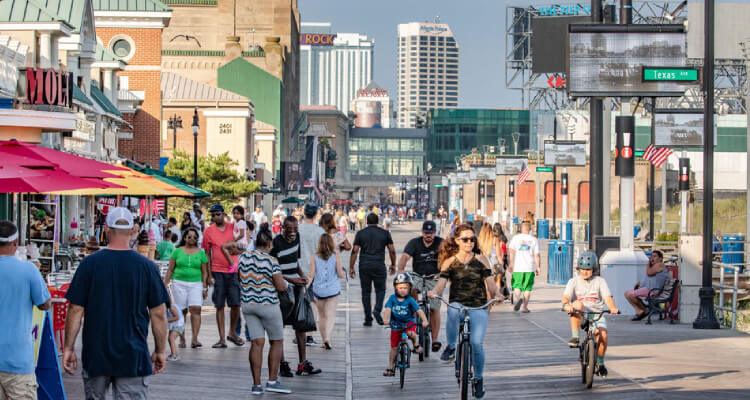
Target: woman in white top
(325,272)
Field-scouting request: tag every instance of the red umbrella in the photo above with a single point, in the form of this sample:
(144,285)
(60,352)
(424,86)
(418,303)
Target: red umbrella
(72,164)
(47,180)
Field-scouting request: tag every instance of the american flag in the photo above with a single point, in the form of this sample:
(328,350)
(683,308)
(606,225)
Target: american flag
(657,155)
(523,175)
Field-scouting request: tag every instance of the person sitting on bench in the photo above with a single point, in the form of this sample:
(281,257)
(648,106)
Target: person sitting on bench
(656,275)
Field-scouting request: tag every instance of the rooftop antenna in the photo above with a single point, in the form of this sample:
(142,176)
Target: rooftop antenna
(437,19)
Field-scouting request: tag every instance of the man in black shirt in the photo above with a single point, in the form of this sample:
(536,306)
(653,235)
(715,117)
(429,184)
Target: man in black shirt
(423,251)
(372,241)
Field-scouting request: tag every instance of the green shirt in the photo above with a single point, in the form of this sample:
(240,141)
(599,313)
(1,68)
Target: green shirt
(188,266)
(165,249)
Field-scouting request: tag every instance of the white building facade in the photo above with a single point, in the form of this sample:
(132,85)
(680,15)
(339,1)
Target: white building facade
(333,67)
(428,60)
(373,107)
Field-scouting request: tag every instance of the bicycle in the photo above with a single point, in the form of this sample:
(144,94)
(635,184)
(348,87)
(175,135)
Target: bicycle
(424,334)
(464,365)
(403,354)
(588,347)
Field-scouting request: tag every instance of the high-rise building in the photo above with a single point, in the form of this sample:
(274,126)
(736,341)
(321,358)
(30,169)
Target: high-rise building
(427,71)
(333,67)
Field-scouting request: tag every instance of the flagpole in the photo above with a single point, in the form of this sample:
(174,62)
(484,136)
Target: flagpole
(651,183)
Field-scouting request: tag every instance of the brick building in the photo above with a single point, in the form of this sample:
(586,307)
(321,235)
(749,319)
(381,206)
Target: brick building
(132,30)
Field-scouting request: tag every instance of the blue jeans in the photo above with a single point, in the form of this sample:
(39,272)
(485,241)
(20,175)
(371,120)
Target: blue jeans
(478,326)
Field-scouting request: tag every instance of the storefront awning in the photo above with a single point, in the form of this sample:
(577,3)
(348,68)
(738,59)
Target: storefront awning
(134,184)
(172,180)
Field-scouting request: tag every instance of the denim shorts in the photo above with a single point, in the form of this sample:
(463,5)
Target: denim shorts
(226,289)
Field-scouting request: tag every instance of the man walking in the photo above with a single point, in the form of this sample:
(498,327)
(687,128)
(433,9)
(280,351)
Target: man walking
(309,236)
(21,288)
(372,242)
(286,249)
(224,276)
(258,217)
(524,259)
(118,291)
(423,251)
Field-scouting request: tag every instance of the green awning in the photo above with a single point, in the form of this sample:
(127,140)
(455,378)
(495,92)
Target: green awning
(175,181)
(104,102)
(80,96)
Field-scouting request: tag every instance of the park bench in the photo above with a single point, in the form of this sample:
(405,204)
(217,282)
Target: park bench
(661,302)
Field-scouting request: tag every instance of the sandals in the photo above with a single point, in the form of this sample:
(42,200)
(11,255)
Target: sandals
(640,316)
(219,345)
(389,372)
(418,350)
(436,346)
(237,341)
(196,345)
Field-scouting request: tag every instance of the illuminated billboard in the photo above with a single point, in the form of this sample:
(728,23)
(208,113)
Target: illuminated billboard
(678,130)
(608,60)
(509,165)
(569,153)
(316,39)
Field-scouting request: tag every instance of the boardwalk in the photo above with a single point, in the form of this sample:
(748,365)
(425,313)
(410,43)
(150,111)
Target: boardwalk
(526,358)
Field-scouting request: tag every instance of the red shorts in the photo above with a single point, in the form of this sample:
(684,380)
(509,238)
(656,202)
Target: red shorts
(396,334)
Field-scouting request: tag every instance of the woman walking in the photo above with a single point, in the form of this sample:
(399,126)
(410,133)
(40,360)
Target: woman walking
(260,281)
(340,242)
(188,273)
(325,272)
(501,253)
(471,284)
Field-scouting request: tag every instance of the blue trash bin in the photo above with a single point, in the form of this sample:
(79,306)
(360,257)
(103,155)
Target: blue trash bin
(560,263)
(516,220)
(636,231)
(542,229)
(733,243)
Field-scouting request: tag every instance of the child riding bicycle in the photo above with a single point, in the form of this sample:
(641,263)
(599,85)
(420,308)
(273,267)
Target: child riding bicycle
(589,293)
(402,307)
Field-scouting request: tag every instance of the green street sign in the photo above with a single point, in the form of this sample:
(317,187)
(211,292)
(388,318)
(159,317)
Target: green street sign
(656,74)
(437,186)
(639,154)
(543,169)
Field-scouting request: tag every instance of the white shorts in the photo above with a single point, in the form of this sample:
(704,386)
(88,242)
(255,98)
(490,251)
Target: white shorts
(186,294)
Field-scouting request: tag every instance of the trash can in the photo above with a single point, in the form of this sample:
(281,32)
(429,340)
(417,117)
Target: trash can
(566,229)
(636,231)
(560,263)
(542,229)
(733,243)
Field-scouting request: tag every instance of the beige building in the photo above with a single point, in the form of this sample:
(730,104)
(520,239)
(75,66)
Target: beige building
(427,70)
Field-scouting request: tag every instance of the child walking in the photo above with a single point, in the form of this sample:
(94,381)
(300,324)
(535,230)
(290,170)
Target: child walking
(176,328)
(402,307)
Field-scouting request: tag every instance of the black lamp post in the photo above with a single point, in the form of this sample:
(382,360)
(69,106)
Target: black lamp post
(174,123)
(195,128)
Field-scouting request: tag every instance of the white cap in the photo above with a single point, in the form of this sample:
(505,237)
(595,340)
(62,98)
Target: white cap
(117,214)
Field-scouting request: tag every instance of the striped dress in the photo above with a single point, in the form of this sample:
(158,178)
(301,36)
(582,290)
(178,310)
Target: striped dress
(256,269)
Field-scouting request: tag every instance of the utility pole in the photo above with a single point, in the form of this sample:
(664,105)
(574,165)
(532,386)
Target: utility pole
(595,167)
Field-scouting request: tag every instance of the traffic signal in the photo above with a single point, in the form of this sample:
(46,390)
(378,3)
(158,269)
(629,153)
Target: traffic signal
(481,188)
(564,183)
(684,174)
(625,146)
(512,189)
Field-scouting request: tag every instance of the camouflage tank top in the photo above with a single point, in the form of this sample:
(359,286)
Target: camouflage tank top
(467,282)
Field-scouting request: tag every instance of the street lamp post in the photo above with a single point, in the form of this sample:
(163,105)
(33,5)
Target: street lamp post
(174,123)
(516,137)
(195,128)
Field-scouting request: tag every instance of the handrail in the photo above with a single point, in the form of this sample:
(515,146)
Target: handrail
(722,287)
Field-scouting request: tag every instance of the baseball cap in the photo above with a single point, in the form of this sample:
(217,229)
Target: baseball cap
(120,214)
(429,227)
(216,207)
(310,209)
(196,204)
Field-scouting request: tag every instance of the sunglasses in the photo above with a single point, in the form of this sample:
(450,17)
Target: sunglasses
(467,239)
(216,214)
(191,237)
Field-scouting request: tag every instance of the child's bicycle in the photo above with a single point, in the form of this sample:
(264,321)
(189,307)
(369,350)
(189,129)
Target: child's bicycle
(588,347)
(403,354)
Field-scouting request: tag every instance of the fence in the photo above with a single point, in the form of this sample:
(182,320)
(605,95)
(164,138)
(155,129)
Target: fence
(721,287)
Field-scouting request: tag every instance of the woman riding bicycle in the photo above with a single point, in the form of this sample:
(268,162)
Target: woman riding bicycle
(471,285)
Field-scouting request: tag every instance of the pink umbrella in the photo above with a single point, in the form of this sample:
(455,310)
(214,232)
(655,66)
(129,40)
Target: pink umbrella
(72,164)
(47,180)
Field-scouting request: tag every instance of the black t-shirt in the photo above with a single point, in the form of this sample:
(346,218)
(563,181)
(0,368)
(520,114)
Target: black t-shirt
(286,253)
(372,242)
(424,259)
(116,288)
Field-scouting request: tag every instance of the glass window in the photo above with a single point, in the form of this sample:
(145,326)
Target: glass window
(468,142)
(378,145)
(407,145)
(378,165)
(393,166)
(393,145)
(354,144)
(365,144)
(365,165)
(418,145)
(353,165)
(121,48)
(467,128)
(407,166)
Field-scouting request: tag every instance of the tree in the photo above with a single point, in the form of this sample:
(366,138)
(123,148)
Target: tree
(216,174)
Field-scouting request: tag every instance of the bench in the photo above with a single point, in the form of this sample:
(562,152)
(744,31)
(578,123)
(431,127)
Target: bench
(661,302)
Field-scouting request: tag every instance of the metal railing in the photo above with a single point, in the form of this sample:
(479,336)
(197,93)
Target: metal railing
(721,287)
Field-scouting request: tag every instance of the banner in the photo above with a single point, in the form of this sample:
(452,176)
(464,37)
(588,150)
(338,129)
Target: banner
(48,369)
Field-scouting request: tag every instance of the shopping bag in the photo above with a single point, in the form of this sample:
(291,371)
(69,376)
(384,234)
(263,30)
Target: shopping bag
(286,302)
(305,321)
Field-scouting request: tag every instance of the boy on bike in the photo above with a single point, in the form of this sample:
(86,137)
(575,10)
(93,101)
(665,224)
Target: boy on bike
(401,306)
(589,293)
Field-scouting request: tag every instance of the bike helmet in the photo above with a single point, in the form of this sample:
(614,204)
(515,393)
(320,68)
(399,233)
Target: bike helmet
(587,260)
(402,277)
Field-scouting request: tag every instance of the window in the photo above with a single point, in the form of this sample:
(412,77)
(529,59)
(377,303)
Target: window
(354,144)
(467,128)
(418,145)
(365,144)
(378,165)
(123,46)
(353,165)
(467,142)
(392,145)
(378,145)
(394,166)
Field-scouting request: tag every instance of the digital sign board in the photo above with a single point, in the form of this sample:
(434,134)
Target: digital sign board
(608,60)
(509,165)
(678,130)
(569,153)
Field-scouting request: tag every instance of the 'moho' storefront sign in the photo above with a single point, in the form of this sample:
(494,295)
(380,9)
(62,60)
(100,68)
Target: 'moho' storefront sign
(48,87)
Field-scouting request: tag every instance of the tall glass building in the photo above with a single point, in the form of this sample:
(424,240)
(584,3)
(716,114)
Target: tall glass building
(453,133)
(386,153)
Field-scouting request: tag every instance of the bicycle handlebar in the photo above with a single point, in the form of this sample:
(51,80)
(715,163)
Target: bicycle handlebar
(462,307)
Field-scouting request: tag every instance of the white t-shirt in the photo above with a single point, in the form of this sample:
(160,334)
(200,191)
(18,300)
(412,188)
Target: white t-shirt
(526,247)
(591,294)
(176,231)
(309,236)
(196,221)
(240,226)
(504,216)
(343,221)
(258,218)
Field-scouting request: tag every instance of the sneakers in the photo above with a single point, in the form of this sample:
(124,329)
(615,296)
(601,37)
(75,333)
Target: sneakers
(601,370)
(367,323)
(378,318)
(517,306)
(285,370)
(173,357)
(277,387)
(573,342)
(478,389)
(306,368)
(257,390)
(310,341)
(448,354)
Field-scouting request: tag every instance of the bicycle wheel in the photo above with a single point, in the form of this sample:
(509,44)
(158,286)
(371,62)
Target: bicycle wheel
(427,332)
(421,336)
(590,358)
(404,355)
(465,377)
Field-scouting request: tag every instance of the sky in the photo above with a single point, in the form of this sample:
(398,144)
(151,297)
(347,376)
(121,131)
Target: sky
(478,25)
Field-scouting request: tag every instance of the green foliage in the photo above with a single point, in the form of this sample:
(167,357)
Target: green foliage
(667,237)
(216,175)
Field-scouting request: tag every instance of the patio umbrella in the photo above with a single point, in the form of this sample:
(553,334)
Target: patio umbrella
(45,180)
(133,183)
(293,200)
(70,163)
